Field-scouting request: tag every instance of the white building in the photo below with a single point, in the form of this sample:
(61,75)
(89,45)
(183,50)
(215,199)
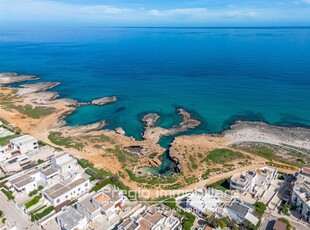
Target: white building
(204,203)
(32,178)
(154,219)
(71,219)
(2,154)
(25,183)
(301,194)
(253,181)
(60,192)
(24,144)
(241,212)
(64,163)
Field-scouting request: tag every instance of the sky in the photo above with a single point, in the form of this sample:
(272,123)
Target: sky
(156,12)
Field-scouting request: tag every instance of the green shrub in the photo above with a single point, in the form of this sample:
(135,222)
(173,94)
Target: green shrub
(68,142)
(40,215)
(8,194)
(222,156)
(285,209)
(34,192)
(2,183)
(34,201)
(260,208)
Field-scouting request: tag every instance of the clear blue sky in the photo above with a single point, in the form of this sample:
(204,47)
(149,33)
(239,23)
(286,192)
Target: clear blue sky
(156,12)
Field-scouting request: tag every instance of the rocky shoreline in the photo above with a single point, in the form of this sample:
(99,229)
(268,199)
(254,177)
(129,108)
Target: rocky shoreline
(11,78)
(154,133)
(243,131)
(36,94)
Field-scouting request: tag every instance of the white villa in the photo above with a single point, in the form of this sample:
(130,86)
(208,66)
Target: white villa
(301,193)
(204,203)
(61,192)
(253,181)
(24,144)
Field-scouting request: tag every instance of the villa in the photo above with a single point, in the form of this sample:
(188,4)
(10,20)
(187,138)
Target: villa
(253,181)
(155,218)
(106,207)
(241,212)
(24,144)
(301,193)
(61,192)
(71,219)
(203,203)
(64,162)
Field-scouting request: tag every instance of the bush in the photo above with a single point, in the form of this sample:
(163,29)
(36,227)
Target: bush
(8,194)
(1,213)
(222,156)
(221,223)
(34,192)
(34,201)
(42,214)
(260,208)
(3,220)
(285,209)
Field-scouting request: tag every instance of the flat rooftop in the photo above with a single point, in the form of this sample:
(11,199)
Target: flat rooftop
(239,208)
(70,218)
(25,139)
(101,198)
(87,203)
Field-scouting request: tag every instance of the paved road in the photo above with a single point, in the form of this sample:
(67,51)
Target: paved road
(14,215)
(266,225)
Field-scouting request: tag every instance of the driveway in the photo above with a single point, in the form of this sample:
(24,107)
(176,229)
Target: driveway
(14,215)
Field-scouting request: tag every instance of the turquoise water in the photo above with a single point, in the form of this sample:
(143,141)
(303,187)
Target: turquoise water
(219,74)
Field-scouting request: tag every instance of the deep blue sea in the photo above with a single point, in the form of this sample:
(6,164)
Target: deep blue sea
(219,74)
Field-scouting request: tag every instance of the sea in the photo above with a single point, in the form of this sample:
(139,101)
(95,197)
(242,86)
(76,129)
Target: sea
(220,74)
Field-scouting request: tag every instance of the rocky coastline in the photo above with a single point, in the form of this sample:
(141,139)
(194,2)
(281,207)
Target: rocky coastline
(148,150)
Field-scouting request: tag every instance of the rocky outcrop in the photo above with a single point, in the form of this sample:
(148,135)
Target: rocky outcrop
(82,129)
(119,130)
(104,101)
(139,150)
(10,78)
(44,98)
(150,119)
(35,88)
(186,124)
(153,133)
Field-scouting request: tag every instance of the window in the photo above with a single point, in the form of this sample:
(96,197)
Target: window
(86,184)
(79,189)
(58,200)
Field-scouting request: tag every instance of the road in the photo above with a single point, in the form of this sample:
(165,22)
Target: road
(14,215)
(298,225)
